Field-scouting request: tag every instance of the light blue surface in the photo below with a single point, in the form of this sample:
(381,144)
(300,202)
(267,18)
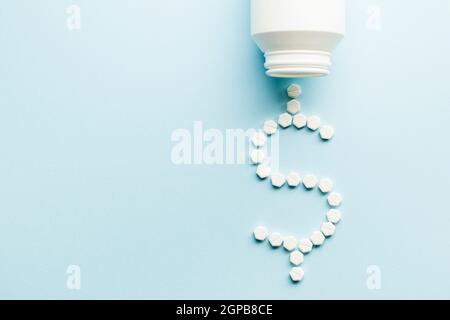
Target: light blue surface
(86,176)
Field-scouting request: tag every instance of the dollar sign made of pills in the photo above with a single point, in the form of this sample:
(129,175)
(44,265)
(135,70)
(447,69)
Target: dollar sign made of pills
(297,248)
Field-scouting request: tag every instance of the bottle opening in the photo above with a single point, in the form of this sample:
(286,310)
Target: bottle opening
(297,63)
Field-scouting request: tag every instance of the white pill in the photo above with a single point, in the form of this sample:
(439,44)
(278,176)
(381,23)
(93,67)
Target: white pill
(334,216)
(257,156)
(310,181)
(285,120)
(263,171)
(293,179)
(259,139)
(275,240)
(260,233)
(294,107)
(290,243)
(294,91)
(305,246)
(278,180)
(334,199)
(325,185)
(299,121)
(313,123)
(317,238)
(328,229)
(326,132)
(297,274)
(270,127)
(296,258)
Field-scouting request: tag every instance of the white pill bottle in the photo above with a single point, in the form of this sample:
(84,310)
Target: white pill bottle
(297,36)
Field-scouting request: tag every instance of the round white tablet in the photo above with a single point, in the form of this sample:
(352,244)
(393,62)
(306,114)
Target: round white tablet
(296,258)
(257,156)
(270,127)
(334,199)
(305,246)
(260,233)
(310,181)
(263,171)
(259,139)
(293,107)
(328,229)
(290,243)
(334,216)
(313,123)
(317,238)
(299,121)
(325,185)
(297,274)
(278,180)
(294,91)
(293,179)
(275,240)
(326,132)
(285,120)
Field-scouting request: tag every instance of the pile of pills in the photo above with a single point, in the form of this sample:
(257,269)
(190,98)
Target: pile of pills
(297,248)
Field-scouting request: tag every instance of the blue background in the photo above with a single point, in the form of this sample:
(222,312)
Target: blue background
(86,176)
